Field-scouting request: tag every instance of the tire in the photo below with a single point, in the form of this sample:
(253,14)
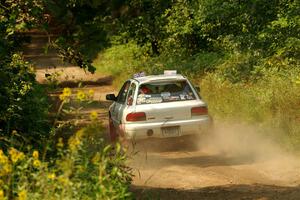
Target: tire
(112,131)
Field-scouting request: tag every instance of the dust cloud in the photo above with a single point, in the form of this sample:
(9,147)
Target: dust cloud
(253,146)
(244,141)
(233,154)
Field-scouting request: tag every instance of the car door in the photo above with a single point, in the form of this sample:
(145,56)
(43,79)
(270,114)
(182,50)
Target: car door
(125,106)
(117,110)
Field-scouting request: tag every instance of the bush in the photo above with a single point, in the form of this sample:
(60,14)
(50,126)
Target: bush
(23,104)
(73,165)
(75,172)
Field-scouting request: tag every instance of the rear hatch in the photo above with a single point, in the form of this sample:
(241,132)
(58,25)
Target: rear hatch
(167,100)
(172,111)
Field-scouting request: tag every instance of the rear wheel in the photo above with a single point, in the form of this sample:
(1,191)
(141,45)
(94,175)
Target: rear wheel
(112,130)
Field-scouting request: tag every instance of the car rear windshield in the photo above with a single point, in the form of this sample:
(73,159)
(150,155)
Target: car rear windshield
(167,91)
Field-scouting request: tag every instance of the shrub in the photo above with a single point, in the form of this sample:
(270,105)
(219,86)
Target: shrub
(75,173)
(23,104)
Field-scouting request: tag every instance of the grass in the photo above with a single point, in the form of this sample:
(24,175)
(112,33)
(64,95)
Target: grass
(271,103)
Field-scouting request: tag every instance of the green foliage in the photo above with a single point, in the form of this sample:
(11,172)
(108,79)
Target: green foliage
(121,61)
(23,104)
(142,22)
(82,26)
(86,168)
(254,31)
(271,103)
(82,169)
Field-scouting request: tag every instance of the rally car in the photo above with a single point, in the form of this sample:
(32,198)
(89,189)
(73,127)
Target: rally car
(157,106)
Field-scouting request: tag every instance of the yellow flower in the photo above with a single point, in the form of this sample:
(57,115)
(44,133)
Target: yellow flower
(15,155)
(35,154)
(6,169)
(93,115)
(75,140)
(81,96)
(36,163)
(65,94)
(1,194)
(51,176)
(91,93)
(79,134)
(60,143)
(73,143)
(1,152)
(3,157)
(22,195)
(21,156)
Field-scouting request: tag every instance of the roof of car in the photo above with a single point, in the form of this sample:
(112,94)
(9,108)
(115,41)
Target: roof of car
(161,77)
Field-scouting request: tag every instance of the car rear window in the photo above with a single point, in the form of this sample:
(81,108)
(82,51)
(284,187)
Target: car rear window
(167,91)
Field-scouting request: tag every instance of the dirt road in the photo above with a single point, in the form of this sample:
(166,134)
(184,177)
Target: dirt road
(235,163)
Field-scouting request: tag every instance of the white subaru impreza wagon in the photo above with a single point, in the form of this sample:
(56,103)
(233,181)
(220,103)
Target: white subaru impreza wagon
(157,106)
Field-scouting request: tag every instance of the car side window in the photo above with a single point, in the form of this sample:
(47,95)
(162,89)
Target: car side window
(123,93)
(131,92)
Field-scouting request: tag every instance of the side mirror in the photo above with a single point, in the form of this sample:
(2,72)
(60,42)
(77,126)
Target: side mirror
(197,88)
(111,97)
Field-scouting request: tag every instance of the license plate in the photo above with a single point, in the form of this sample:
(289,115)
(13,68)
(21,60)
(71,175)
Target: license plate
(171,131)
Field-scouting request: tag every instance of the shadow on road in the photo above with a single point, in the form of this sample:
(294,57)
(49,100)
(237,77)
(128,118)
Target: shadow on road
(227,192)
(171,144)
(96,82)
(154,161)
(157,154)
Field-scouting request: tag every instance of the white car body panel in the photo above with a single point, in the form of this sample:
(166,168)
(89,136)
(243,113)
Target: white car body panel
(168,119)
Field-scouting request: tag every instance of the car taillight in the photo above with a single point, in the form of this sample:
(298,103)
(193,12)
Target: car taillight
(196,111)
(136,116)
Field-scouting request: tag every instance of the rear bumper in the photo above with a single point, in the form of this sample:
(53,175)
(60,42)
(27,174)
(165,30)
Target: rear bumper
(186,127)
